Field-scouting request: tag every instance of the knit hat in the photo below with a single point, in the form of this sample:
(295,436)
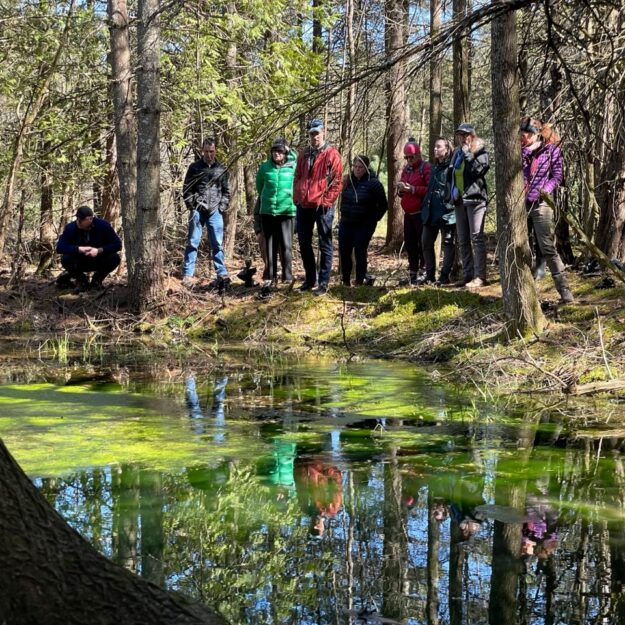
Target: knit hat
(83,212)
(466,129)
(279,145)
(412,149)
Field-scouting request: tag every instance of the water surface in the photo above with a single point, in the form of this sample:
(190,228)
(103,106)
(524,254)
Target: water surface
(312,493)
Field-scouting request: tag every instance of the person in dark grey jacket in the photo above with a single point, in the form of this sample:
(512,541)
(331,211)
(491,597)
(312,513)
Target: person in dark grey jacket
(206,193)
(363,204)
(469,195)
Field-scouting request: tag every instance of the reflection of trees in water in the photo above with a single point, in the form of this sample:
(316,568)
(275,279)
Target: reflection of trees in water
(221,534)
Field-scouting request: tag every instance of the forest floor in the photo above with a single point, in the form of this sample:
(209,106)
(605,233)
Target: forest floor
(581,350)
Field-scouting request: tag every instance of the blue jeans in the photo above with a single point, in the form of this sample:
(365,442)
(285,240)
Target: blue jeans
(214,223)
(306,220)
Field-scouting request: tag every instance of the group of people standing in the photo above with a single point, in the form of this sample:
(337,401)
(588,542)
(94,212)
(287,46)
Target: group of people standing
(449,197)
(298,191)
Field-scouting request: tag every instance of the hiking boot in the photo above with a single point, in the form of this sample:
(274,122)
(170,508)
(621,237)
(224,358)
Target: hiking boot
(540,270)
(64,281)
(322,289)
(188,282)
(476,283)
(96,285)
(566,297)
(306,286)
(265,290)
(562,286)
(223,283)
(414,279)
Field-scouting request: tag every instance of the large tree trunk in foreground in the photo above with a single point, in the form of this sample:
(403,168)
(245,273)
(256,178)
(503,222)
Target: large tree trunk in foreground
(50,575)
(521,304)
(146,281)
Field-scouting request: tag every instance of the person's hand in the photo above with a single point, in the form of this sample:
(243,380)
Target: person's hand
(92,252)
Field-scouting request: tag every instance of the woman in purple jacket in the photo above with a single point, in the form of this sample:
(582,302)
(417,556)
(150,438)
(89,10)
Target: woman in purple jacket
(543,173)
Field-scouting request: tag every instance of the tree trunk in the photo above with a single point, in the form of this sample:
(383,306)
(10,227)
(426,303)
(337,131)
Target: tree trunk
(433,573)
(436,79)
(347,128)
(461,67)
(249,174)
(146,280)
(52,576)
(125,129)
(46,218)
(110,186)
(395,38)
(521,304)
(394,548)
(235,170)
(611,229)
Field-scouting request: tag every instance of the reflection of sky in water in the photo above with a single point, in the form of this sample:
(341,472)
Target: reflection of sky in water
(212,471)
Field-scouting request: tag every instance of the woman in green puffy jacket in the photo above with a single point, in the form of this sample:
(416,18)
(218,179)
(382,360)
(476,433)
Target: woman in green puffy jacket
(274,184)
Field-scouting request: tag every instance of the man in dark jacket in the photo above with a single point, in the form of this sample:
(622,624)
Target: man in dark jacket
(206,193)
(316,187)
(88,244)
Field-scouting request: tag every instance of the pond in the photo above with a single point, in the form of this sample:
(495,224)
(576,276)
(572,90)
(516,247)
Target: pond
(320,493)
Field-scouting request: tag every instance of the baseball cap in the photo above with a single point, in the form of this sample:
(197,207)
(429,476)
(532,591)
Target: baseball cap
(315,125)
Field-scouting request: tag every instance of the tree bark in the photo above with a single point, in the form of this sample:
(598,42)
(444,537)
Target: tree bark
(52,576)
(436,79)
(46,218)
(125,129)
(521,304)
(395,39)
(146,279)
(461,67)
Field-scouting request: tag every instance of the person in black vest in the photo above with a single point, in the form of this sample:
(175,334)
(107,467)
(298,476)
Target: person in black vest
(87,245)
(363,204)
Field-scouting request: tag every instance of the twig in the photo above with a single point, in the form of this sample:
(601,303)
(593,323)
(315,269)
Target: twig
(605,359)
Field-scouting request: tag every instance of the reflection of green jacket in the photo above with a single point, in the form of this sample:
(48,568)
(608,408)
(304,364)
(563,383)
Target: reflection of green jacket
(282,471)
(274,184)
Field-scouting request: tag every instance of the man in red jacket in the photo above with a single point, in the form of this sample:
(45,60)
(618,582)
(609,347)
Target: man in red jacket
(316,187)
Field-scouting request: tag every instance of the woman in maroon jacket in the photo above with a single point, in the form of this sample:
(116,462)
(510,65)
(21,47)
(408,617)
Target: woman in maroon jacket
(543,174)
(412,188)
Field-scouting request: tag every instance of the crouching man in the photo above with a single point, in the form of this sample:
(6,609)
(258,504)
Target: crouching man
(87,245)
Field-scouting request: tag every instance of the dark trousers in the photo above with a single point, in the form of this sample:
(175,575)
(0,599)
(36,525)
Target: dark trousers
(306,220)
(413,232)
(77,265)
(354,238)
(278,233)
(448,234)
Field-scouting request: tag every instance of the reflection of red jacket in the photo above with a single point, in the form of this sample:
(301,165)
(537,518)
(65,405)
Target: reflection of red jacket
(321,184)
(320,488)
(417,176)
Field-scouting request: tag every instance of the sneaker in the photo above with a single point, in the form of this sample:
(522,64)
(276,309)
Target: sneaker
(81,286)
(322,289)
(442,280)
(188,282)
(476,283)
(265,291)
(305,286)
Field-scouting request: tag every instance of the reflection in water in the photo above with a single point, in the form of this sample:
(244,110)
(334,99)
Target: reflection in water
(327,493)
